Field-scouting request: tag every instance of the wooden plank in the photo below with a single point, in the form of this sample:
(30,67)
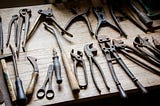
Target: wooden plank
(41,44)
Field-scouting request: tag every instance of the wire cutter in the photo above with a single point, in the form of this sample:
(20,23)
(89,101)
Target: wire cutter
(79,61)
(49,93)
(102,20)
(90,52)
(80,16)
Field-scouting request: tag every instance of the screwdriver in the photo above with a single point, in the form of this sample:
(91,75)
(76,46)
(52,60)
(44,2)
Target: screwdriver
(57,67)
(21,97)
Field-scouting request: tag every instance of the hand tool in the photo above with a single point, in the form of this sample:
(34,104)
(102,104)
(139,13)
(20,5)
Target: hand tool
(102,20)
(71,77)
(128,50)
(26,14)
(90,52)
(12,21)
(57,66)
(141,15)
(45,15)
(80,16)
(24,18)
(142,45)
(1,97)
(1,35)
(49,93)
(8,80)
(33,81)
(79,61)
(105,45)
(21,97)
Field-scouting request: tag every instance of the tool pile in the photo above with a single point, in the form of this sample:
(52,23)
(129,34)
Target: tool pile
(110,48)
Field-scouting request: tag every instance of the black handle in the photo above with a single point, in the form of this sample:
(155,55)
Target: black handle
(21,97)
(57,68)
(121,91)
(140,86)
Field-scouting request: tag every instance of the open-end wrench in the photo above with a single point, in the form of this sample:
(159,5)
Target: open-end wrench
(12,21)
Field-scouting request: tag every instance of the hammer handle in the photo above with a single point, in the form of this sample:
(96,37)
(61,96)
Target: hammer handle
(8,81)
(71,77)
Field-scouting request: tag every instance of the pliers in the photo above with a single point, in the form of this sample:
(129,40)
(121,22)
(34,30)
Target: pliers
(102,20)
(81,16)
(148,50)
(90,52)
(79,61)
(127,50)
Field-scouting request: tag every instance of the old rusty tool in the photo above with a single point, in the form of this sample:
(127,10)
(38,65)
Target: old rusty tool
(71,77)
(156,42)
(44,16)
(1,35)
(80,16)
(12,93)
(26,13)
(111,54)
(141,15)
(79,61)
(148,50)
(90,52)
(21,97)
(57,67)
(49,93)
(33,81)
(24,18)
(102,20)
(127,50)
(12,21)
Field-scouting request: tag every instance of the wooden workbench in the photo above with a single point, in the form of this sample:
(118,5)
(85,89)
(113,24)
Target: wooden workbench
(42,43)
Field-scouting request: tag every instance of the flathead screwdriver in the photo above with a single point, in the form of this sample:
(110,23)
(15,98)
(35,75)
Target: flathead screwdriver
(21,97)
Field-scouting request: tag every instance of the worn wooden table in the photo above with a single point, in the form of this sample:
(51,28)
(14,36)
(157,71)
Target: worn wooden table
(42,43)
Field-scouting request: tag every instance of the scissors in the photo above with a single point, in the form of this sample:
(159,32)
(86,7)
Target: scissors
(49,93)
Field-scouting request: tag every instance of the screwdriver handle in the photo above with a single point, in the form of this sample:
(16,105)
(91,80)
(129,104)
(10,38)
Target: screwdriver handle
(57,68)
(71,77)
(21,97)
(8,81)
(32,84)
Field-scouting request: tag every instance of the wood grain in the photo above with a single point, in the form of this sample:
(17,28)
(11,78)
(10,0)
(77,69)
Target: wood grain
(41,44)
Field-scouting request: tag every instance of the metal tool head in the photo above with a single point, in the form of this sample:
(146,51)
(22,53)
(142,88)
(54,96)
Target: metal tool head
(89,50)
(25,11)
(118,43)
(47,12)
(141,42)
(78,56)
(33,61)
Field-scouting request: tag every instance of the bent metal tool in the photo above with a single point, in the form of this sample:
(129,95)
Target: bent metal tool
(79,61)
(33,81)
(111,54)
(90,52)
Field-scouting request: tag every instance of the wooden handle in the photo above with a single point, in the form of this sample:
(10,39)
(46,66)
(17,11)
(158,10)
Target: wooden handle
(32,84)
(71,77)
(8,81)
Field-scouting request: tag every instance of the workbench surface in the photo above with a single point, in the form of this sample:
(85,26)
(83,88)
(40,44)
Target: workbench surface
(42,43)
